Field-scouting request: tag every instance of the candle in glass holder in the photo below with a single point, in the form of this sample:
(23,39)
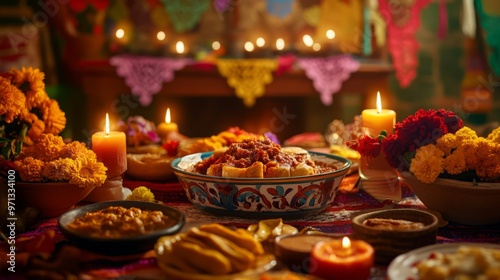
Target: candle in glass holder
(167,127)
(342,259)
(375,120)
(110,148)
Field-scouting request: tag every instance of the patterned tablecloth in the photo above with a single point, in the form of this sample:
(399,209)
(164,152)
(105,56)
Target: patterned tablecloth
(44,250)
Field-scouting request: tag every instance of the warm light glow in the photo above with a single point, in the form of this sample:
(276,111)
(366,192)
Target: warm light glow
(260,42)
(160,36)
(119,33)
(249,47)
(316,47)
(280,44)
(179,47)
(107,124)
(308,40)
(216,45)
(379,103)
(346,242)
(167,116)
(330,34)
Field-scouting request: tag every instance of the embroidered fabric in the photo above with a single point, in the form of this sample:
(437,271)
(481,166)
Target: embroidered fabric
(403,20)
(145,75)
(490,25)
(185,14)
(328,73)
(248,76)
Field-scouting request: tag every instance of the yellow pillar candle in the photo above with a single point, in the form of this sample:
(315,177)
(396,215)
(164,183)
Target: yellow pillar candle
(376,120)
(167,127)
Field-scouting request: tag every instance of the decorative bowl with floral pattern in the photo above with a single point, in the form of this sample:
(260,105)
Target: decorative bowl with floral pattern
(261,197)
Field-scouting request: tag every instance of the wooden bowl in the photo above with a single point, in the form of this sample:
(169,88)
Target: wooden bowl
(389,243)
(458,201)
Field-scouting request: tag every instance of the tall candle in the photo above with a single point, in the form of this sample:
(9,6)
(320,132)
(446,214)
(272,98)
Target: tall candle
(376,120)
(111,149)
(167,127)
(342,259)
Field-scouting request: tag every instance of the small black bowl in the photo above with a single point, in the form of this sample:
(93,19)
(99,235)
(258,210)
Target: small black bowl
(123,245)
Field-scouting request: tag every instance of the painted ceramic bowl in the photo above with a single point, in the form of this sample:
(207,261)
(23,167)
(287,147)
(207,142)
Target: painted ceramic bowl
(261,197)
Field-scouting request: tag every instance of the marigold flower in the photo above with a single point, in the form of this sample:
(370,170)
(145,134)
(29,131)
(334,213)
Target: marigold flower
(89,173)
(47,147)
(455,163)
(428,163)
(494,136)
(53,117)
(447,143)
(75,150)
(466,133)
(11,101)
(59,170)
(489,169)
(30,169)
(30,82)
(141,194)
(482,149)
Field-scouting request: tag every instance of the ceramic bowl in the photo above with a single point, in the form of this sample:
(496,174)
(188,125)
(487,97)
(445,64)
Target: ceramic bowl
(123,245)
(389,243)
(51,198)
(458,201)
(261,197)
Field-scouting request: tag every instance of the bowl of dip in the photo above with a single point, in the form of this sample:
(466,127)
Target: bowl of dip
(294,195)
(120,227)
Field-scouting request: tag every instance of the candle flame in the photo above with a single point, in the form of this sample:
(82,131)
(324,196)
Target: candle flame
(107,124)
(280,44)
(120,33)
(249,46)
(260,42)
(179,47)
(346,243)
(167,116)
(330,34)
(379,103)
(308,40)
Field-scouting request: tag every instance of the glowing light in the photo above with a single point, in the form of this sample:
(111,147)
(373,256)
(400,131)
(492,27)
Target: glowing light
(167,116)
(119,33)
(107,124)
(379,103)
(280,44)
(308,40)
(330,34)
(316,47)
(216,45)
(346,242)
(260,42)
(249,47)
(160,36)
(179,47)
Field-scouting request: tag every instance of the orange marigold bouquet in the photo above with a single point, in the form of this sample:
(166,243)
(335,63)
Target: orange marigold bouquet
(50,159)
(435,143)
(26,111)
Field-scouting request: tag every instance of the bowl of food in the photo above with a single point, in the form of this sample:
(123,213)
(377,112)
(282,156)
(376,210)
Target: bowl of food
(149,167)
(258,178)
(392,232)
(120,227)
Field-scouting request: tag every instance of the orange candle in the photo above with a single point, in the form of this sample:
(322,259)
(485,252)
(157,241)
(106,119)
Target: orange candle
(342,260)
(111,149)
(376,120)
(167,127)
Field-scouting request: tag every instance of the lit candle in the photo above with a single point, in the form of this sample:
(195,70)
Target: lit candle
(342,259)
(167,127)
(111,149)
(179,47)
(280,44)
(376,120)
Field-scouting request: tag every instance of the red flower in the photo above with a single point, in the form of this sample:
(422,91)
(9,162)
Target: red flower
(171,147)
(366,146)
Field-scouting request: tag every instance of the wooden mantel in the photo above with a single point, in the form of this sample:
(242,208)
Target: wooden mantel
(101,86)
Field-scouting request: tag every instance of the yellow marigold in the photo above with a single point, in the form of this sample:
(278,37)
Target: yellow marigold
(455,163)
(46,147)
(59,170)
(11,101)
(489,169)
(494,136)
(428,163)
(466,133)
(447,143)
(53,117)
(89,173)
(30,82)
(75,150)
(142,194)
(481,151)
(30,169)
(468,148)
